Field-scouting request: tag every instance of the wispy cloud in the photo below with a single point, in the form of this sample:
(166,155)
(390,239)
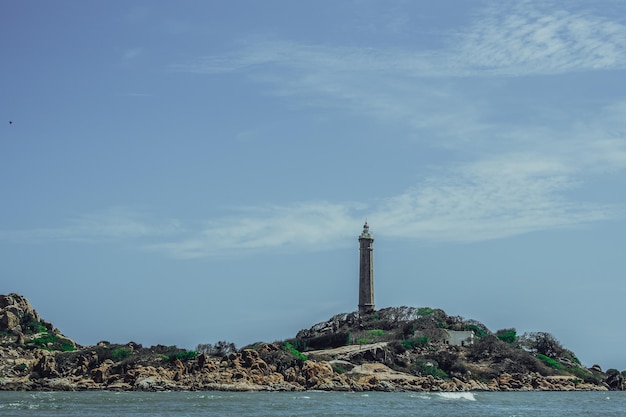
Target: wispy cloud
(507,39)
(501,197)
(518,178)
(520,38)
(493,199)
(303,225)
(421,88)
(523,185)
(113,224)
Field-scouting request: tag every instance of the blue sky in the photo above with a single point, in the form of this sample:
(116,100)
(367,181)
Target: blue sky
(200,171)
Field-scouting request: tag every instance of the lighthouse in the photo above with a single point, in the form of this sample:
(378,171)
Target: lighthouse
(366,271)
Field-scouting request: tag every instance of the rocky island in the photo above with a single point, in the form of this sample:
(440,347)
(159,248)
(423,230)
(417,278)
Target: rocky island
(392,349)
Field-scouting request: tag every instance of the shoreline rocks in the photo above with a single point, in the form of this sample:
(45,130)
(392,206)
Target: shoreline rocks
(248,371)
(34,356)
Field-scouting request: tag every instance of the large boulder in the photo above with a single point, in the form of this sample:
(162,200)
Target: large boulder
(615,380)
(18,316)
(45,366)
(9,322)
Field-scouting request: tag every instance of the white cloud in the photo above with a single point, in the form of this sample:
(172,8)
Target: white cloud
(301,226)
(421,88)
(518,178)
(507,39)
(524,38)
(506,196)
(113,224)
(495,198)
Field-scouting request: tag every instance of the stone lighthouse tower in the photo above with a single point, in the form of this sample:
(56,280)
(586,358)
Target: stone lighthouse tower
(366,271)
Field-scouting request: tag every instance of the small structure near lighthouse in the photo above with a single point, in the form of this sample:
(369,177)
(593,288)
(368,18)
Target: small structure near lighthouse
(366,271)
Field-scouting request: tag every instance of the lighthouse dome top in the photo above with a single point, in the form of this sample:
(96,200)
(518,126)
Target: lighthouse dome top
(366,232)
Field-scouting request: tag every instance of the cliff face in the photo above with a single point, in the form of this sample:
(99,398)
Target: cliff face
(35,356)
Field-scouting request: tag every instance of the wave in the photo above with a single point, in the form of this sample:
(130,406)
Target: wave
(457,396)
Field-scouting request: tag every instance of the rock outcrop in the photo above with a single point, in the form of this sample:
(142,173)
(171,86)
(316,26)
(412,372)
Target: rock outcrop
(35,356)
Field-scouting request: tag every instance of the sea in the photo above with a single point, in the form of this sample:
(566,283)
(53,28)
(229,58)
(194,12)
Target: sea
(311,403)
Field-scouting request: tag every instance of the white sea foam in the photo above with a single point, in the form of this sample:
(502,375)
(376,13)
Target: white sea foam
(457,396)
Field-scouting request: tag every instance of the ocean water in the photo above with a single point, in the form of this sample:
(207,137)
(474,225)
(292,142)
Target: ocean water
(318,404)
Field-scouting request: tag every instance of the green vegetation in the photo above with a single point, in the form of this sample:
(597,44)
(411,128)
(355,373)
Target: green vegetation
(174,353)
(430,367)
(51,342)
(338,369)
(371,336)
(549,361)
(410,343)
(581,373)
(33,327)
(295,352)
(184,355)
(477,330)
(417,344)
(507,335)
(120,354)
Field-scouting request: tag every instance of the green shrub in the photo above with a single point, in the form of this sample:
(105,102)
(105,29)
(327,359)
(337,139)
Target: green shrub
(410,343)
(549,361)
(430,367)
(51,341)
(583,374)
(376,333)
(477,330)
(65,345)
(507,335)
(338,369)
(184,355)
(424,311)
(33,327)
(371,336)
(295,352)
(120,354)
(43,341)
(172,353)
